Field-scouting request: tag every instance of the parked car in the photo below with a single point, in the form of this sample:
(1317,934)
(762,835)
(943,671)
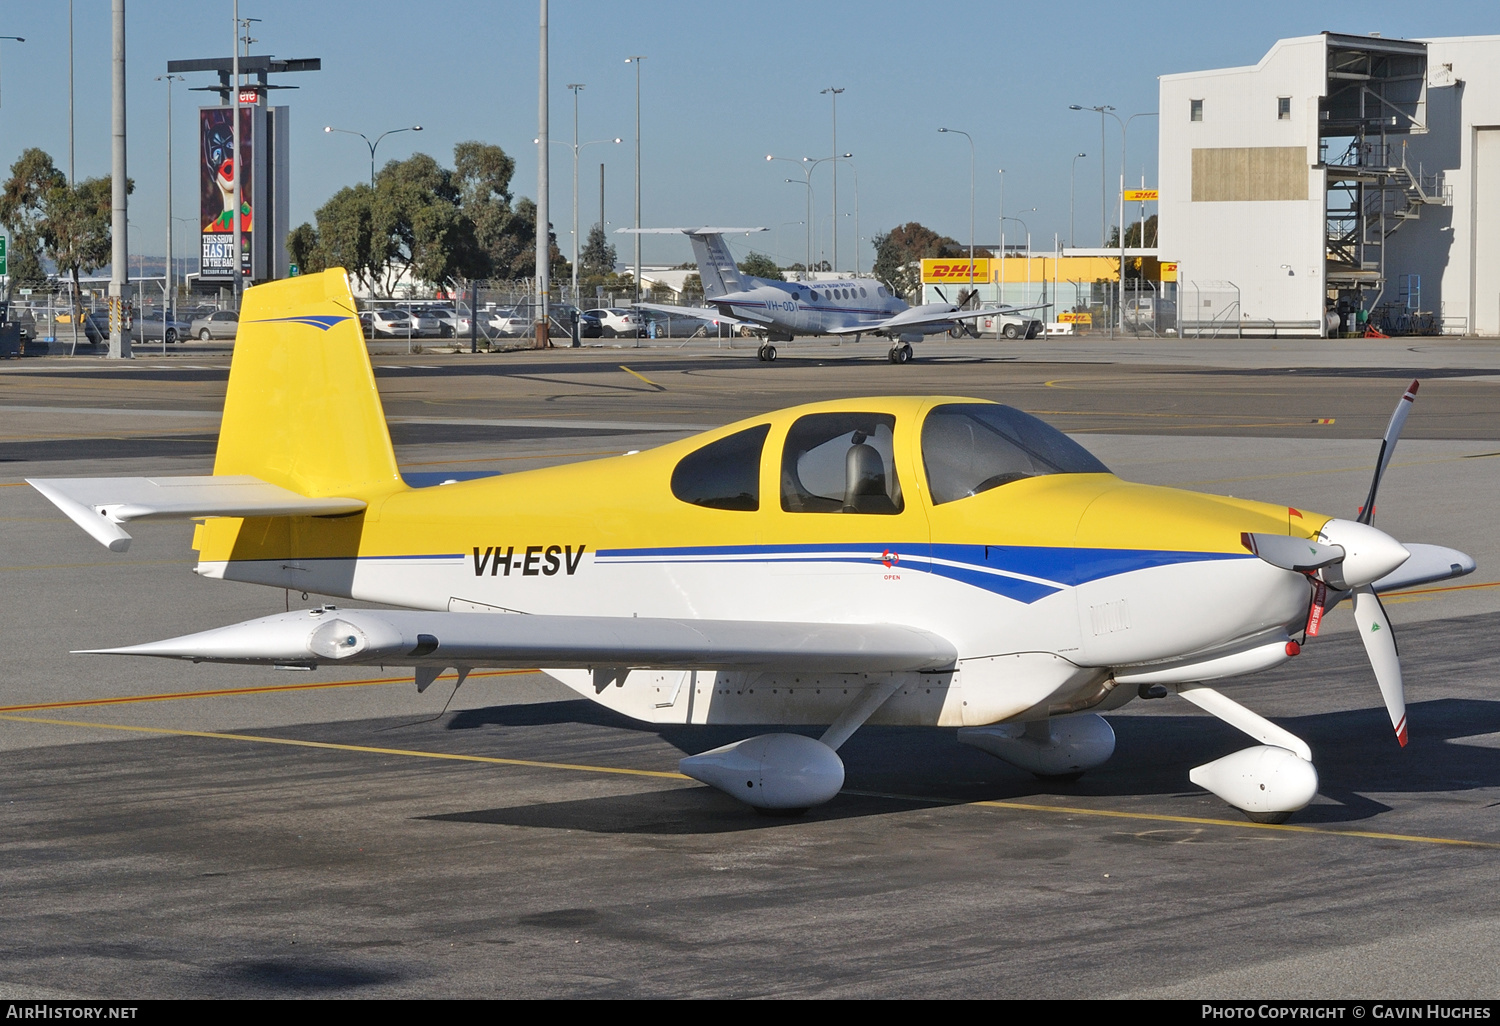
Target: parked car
(452,323)
(389,324)
(589,325)
(617,322)
(1016,326)
(151,325)
(513,322)
(219,324)
(1149,313)
(424,322)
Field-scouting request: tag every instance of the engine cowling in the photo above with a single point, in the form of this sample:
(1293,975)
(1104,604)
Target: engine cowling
(771,771)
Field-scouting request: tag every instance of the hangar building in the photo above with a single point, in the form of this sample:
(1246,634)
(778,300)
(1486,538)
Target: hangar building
(1356,173)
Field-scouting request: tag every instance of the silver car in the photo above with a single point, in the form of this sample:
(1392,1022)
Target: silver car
(152,326)
(219,324)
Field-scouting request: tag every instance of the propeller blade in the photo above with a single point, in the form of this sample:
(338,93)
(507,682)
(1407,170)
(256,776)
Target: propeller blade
(1292,553)
(1388,449)
(1380,646)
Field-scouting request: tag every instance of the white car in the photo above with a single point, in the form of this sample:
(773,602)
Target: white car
(510,322)
(424,323)
(620,322)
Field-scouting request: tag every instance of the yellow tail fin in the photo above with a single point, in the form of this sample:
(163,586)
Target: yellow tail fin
(302,410)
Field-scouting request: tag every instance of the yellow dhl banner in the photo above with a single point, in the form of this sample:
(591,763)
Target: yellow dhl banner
(942,270)
(1069,317)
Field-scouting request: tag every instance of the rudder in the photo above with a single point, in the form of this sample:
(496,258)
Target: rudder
(302,410)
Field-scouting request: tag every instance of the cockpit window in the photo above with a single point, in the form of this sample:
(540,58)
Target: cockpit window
(840,463)
(970,448)
(724,474)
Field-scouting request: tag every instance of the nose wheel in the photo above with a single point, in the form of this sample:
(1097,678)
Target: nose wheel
(767,353)
(900,354)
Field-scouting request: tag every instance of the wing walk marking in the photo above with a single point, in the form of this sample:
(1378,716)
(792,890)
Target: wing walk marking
(366,749)
(667,775)
(230,692)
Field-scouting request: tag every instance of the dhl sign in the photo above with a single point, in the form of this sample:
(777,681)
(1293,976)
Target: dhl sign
(938,271)
(1069,317)
(1140,195)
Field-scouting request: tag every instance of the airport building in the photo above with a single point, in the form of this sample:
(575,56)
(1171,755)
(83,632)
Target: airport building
(1353,175)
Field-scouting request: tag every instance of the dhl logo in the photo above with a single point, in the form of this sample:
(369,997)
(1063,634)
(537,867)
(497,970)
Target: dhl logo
(946,270)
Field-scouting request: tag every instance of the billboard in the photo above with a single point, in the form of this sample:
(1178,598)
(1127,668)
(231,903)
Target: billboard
(216,174)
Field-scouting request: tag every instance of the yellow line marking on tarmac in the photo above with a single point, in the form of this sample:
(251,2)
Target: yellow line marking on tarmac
(367,749)
(643,377)
(264,689)
(1190,820)
(669,775)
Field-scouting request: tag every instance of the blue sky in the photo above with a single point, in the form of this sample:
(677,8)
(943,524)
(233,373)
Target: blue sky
(723,85)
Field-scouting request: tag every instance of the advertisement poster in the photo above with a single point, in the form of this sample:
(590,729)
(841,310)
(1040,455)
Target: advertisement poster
(216,190)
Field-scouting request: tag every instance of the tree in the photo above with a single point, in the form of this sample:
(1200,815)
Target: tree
(692,286)
(1133,241)
(302,248)
(70,223)
(761,266)
(21,212)
(597,259)
(899,254)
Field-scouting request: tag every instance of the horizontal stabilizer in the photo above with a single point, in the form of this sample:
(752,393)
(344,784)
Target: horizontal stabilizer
(100,505)
(313,637)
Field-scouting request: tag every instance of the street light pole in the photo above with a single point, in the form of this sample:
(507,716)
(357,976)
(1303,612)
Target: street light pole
(636,60)
(1000,288)
(167,305)
(969,137)
(576,87)
(372,145)
(833,155)
(1072,180)
(807,267)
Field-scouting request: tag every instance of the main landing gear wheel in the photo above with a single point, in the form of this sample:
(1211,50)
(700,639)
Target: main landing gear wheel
(900,354)
(767,353)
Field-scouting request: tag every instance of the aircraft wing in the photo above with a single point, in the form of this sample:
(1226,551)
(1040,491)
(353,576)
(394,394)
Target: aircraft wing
(701,313)
(100,505)
(330,636)
(689,231)
(913,319)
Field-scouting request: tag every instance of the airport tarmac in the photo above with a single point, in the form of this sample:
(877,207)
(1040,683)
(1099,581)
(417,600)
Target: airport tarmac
(175,831)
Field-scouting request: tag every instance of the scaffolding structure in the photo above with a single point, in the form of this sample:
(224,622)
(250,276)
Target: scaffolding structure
(1376,96)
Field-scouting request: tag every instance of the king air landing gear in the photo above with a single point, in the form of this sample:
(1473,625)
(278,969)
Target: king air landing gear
(900,353)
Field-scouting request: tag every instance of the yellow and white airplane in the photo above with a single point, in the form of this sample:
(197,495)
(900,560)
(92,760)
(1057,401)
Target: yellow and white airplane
(933,561)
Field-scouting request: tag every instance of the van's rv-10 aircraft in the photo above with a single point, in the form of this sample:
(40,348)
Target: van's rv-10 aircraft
(935,561)
(787,309)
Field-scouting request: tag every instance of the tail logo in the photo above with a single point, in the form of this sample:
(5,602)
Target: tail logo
(320,321)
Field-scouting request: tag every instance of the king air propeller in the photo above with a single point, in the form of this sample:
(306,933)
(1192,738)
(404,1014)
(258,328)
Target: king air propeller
(1349,556)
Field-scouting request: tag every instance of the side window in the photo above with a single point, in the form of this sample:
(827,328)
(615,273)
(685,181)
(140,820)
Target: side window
(1283,108)
(724,474)
(840,463)
(1195,110)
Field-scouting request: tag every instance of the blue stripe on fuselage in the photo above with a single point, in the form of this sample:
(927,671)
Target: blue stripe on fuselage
(1001,569)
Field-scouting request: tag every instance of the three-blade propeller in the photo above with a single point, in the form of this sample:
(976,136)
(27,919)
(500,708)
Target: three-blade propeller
(1349,557)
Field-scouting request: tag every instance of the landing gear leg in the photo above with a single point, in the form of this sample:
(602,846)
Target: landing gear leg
(1268,782)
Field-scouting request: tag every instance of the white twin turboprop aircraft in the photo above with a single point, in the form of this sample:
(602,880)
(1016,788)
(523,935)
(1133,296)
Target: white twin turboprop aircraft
(786,309)
(920,560)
